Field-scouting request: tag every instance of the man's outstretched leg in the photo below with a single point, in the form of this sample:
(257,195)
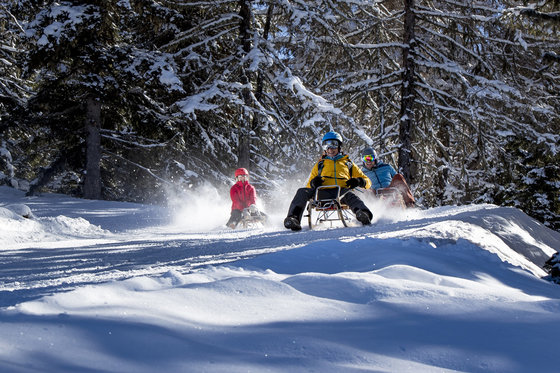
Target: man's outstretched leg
(363,214)
(295,212)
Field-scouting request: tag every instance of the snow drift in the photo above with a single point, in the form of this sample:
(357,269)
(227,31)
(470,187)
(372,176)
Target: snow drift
(121,287)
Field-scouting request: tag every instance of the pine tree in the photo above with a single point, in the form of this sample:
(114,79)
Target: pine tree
(94,75)
(14,90)
(187,91)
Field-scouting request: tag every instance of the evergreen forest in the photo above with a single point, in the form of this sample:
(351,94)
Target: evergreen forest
(129,99)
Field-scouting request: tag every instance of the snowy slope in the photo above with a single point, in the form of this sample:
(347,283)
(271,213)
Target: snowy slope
(121,287)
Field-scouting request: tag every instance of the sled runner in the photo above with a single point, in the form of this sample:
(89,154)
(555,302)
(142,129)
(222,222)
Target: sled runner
(391,197)
(326,207)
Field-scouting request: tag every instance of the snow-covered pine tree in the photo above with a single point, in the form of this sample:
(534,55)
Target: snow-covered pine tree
(93,51)
(533,184)
(238,70)
(14,90)
(181,84)
(69,60)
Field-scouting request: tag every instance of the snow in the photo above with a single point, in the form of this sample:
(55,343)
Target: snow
(169,78)
(120,287)
(199,101)
(73,16)
(295,84)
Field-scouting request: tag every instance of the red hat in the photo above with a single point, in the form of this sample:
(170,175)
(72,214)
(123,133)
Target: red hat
(241,171)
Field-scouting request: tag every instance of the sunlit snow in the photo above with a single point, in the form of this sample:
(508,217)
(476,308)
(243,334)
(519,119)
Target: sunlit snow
(121,287)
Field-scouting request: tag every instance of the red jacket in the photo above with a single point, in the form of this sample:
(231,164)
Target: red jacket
(242,195)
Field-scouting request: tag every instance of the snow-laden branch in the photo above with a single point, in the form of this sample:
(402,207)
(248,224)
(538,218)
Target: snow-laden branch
(553,16)
(225,21)
(454,42)
(373,83)
(14,19)
(135,143)
(202,101)
(530,11)
(309,98)
(138,166)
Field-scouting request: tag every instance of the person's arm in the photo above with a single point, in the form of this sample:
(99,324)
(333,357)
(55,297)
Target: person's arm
(314,172)
(251,197)
(357,172)
(235,200)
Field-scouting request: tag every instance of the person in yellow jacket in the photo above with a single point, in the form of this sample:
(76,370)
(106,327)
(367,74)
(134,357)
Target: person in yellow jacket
(334,168)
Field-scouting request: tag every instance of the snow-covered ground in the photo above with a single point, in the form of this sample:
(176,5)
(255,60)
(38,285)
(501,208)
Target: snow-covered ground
(97,286)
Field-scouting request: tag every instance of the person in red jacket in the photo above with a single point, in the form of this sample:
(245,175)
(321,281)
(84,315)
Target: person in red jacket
(243,198)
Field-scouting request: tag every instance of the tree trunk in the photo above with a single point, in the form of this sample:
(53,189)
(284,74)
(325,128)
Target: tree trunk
(408,96)
(244,151)
(92,181)
(255,125)
(266,31)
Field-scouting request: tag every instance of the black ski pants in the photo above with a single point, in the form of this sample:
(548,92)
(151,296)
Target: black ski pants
(297,207)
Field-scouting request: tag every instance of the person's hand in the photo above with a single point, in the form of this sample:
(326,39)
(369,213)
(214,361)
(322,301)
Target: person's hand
(316,182)
(355,182)
(253,209)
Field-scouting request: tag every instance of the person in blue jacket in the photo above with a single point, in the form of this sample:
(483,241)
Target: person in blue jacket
(383,175)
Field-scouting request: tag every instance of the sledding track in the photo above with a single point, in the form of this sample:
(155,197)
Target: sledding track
(33,272)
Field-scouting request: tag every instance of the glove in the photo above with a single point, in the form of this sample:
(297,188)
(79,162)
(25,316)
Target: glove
(355,182)
(316,182)
(253,209)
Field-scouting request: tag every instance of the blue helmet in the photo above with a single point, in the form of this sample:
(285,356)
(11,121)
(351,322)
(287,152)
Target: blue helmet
(332,136)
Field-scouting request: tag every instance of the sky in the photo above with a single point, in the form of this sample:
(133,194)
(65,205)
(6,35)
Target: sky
(99,286)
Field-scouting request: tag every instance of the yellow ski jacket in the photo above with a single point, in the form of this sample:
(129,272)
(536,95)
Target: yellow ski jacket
(337,171)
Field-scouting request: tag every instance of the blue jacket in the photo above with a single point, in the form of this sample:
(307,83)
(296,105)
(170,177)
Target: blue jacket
(380,175)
